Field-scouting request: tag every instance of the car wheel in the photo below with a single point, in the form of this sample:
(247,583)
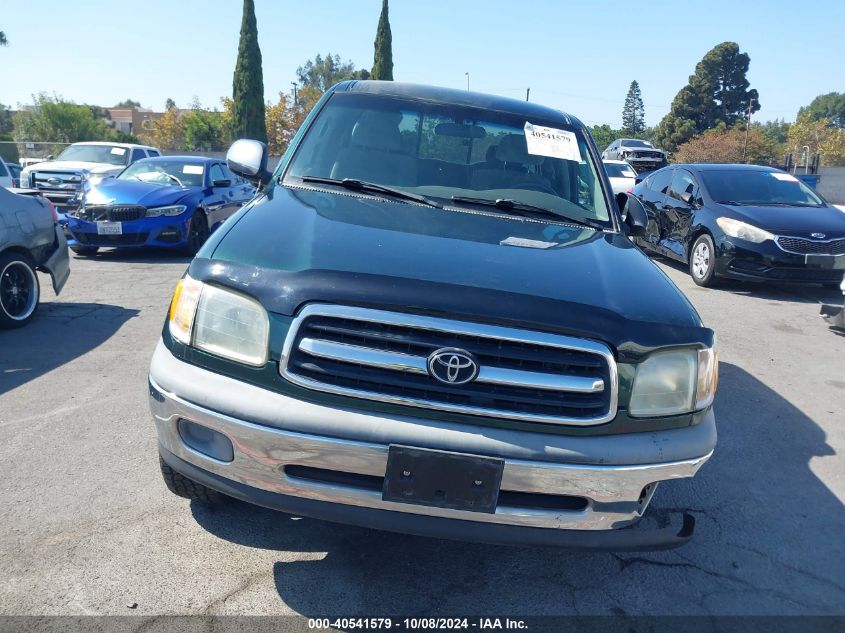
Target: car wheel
(19,290)
(702,261)
(181,486)
(85,251)
(197,232)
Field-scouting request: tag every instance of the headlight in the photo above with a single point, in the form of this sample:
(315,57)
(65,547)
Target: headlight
(220,322)
(674,382)
(156,212)
(743,231)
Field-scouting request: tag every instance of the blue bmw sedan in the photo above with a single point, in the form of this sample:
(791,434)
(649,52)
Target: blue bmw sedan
(170,202)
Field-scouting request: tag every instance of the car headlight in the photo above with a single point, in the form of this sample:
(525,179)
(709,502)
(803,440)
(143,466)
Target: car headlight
(219,321)
(743,231)
(157,212)
(674,382)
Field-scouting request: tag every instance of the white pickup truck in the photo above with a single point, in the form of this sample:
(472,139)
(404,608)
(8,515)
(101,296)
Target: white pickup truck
(61,180)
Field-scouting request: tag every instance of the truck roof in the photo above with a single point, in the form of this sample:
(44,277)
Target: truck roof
(459,97)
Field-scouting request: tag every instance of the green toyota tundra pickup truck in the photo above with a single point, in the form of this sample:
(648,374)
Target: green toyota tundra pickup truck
(431,320)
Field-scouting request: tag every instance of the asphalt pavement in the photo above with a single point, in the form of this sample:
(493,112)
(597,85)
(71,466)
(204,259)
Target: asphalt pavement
(89,528)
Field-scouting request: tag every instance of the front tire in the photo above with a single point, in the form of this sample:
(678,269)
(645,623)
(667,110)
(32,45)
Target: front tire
(702,261)
(20,291)
(181,486)
(197,232)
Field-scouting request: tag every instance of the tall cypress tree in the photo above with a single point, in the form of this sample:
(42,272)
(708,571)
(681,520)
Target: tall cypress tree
(248,82)
(633,114)
(383,58)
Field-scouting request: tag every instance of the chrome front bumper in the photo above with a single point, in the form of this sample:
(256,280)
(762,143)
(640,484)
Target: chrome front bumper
(617,495)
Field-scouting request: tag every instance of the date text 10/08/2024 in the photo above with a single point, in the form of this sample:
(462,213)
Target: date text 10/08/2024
(417,624)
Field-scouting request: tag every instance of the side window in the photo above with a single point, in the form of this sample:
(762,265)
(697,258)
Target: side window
(3,172)
(661,180)
(216,173)
(152,152)
(137,154)
(683,181)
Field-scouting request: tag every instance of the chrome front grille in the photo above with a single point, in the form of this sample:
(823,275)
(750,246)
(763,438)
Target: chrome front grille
(62,184)
(384,356)
(800,246)
(113,213)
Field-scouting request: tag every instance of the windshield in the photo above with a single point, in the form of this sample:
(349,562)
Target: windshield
(614,170)
(165,172)
(746,186)
(96,154)
(442,150)
(628,142)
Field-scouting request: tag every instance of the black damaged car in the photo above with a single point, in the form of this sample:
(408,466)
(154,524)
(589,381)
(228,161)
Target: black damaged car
(742,222)
(431,320)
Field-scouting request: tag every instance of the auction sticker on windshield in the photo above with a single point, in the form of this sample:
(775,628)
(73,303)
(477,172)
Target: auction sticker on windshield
(192,169)
(118,151)
(547,141)
(787,177)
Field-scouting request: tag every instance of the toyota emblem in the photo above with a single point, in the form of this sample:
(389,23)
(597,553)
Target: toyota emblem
(452,366)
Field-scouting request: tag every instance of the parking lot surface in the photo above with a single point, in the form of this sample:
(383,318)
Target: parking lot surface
(89,528)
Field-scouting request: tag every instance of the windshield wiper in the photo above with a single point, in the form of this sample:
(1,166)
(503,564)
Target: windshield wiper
(730,202)
(528,210)
(361,185)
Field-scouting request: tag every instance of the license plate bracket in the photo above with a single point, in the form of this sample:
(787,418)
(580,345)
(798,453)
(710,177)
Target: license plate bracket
(442,479)
(109,228)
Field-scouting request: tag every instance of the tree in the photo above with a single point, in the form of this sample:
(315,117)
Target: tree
(279,125)
(383,56)
(170,104)
(166,132)
(5,119)
(829,106)
(248,81)
(203,129)
(3,40)
(9,149)
(324,72)
(604,135)
(820,136)
(727,145)
(717,92)
(633,114)
(775,131)
(54,120)
(128,103)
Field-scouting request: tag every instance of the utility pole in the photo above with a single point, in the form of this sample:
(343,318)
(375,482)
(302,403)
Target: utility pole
(467,74)
(747,126)
(294,84)
(527,92)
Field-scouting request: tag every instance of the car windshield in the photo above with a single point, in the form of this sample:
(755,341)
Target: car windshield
(443,151)
(747,186)
(615,170)
(636,143)
(109,154)
(165,172)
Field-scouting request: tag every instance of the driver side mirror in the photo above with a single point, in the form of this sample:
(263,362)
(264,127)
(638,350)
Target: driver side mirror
(636,218)
(687,198)
(248,158)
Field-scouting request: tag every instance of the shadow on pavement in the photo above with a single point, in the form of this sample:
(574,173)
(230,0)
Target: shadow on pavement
(59,333)
(139,256)
(768,542)
(769,290)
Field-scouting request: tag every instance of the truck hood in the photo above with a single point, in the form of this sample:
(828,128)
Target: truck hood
(297,246)
(792,221)
(114,191)
(74,166)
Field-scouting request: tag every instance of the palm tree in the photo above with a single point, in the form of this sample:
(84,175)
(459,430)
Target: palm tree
(3,40)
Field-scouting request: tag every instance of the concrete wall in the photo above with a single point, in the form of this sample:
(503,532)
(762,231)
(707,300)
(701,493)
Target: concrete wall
(832,184)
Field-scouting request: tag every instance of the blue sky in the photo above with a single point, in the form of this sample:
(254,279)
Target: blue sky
(576,56)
